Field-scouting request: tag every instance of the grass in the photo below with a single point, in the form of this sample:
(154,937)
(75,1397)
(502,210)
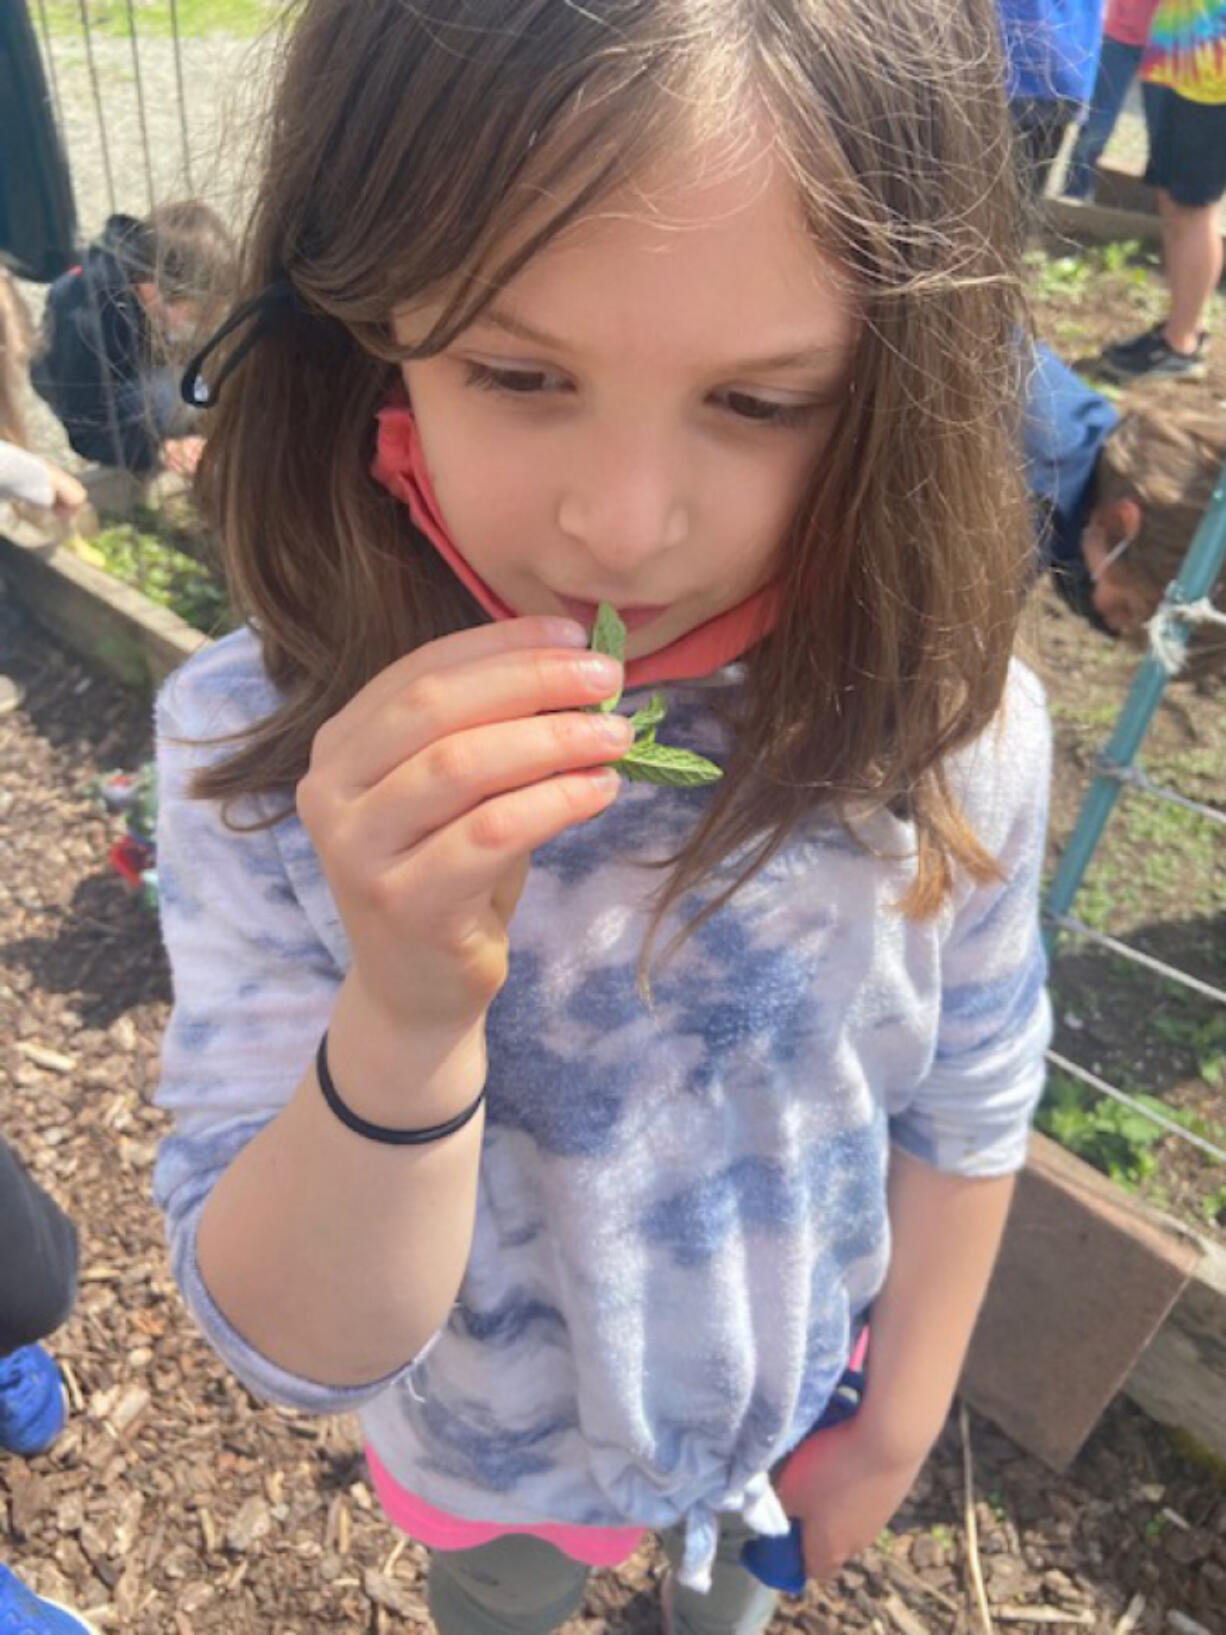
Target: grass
(111,18)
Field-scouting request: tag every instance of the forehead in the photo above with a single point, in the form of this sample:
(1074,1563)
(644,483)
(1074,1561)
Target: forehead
(701,252)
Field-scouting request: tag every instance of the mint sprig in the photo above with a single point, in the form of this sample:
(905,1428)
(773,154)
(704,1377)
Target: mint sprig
(646,761)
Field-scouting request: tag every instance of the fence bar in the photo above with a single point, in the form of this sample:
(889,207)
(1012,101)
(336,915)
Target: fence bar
(1104,1089)
(140,104)
(49,56)
(1195,579)
(182,94)
(93,79)
(1127,951)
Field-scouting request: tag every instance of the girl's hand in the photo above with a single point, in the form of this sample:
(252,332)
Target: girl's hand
(426,794)
(182,455)
(69,495)
(843,1487)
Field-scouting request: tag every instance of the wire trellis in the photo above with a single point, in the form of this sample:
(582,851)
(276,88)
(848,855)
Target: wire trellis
(1185,605)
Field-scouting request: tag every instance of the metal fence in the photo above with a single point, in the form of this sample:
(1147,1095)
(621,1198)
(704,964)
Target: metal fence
(1185,607)
(148,108)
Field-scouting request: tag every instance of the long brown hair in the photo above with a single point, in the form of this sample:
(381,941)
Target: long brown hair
(410,150)
(16,346)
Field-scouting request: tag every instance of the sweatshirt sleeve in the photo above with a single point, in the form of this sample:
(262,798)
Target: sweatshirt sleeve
(24,477)
(971,1115)
(253,987)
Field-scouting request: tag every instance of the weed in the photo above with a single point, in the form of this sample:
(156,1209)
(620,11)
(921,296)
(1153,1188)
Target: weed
(1113,1138)
(161,573)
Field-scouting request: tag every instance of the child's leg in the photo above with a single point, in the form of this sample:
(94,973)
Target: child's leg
(512,1586)
(38,1260)
(738,1604)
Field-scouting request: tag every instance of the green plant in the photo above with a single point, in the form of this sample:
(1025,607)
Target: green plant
(1115,1139)
(1206,1040)
(166,576)
(646,761)
(1117,256)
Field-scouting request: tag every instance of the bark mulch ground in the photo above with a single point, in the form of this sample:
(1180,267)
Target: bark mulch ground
(176,1503)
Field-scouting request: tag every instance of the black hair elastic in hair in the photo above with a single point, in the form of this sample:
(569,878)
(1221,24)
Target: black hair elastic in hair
(264,310)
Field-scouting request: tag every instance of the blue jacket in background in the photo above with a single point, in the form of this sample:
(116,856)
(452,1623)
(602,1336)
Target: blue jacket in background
(1066,424)
(1051,48)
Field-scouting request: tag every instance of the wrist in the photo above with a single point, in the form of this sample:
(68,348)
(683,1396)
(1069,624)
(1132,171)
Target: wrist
(893,1435)
(397,1073)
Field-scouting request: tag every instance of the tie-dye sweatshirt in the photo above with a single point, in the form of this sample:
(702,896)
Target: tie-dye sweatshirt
(681,1216)
(1187,49)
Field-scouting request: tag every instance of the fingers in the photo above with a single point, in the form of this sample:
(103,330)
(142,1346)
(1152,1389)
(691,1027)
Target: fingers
(450,877)
(436,705)
(456,774)
(462,647)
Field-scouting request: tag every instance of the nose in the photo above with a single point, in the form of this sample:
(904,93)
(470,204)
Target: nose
(624,498)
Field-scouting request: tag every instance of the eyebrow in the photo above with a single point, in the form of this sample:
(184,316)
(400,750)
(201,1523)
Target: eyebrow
(803,357)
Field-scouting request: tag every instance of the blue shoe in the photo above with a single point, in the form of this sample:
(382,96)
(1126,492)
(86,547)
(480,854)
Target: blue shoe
(31,1402)
(24,1613)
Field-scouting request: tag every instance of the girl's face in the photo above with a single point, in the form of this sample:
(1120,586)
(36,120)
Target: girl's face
(636,416)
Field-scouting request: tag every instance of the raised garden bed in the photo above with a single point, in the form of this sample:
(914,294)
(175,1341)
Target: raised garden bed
(112,624)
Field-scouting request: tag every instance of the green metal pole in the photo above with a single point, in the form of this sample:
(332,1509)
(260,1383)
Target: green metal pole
(1197,574)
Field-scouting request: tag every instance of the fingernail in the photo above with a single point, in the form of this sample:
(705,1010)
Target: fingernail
(566,633)
(600,670)
(614,729)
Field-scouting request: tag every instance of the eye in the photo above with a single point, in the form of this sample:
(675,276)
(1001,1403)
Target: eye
(520,382)
(765,411)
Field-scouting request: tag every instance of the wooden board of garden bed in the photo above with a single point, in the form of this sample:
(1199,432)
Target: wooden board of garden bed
(107,622)
(1095,1291)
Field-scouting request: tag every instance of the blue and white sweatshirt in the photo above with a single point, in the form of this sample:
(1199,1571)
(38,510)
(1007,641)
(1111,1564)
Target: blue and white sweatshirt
(681,1216)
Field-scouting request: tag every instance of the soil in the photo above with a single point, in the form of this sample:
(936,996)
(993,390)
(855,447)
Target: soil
(174,1502)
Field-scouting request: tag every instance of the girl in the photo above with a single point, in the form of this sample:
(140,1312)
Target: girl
(709,310)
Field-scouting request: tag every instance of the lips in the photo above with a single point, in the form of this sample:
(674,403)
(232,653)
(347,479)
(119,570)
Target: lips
(632,617)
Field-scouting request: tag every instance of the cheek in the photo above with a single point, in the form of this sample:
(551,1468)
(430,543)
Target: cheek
(487,497)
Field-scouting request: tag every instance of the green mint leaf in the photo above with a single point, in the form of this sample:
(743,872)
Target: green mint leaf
(662,764)
(646,720)
(608,636)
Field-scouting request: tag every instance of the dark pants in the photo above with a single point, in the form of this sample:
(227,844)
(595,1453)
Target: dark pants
(1038,130)
(1117,67)
(38,1258)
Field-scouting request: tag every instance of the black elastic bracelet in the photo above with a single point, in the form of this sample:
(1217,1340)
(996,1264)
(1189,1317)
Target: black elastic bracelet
(379,1132)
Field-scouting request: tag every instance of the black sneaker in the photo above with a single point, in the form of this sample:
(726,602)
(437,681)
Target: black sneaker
(1151,354)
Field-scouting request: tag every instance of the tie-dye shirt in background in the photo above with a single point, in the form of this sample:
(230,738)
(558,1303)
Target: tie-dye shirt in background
(1187,49)
(681,1216)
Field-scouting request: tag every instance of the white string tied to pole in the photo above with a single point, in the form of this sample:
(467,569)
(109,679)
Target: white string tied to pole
(1166,634)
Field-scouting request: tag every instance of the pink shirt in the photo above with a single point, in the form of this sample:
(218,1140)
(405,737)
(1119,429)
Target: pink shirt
(594,1546)
(1128,20)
